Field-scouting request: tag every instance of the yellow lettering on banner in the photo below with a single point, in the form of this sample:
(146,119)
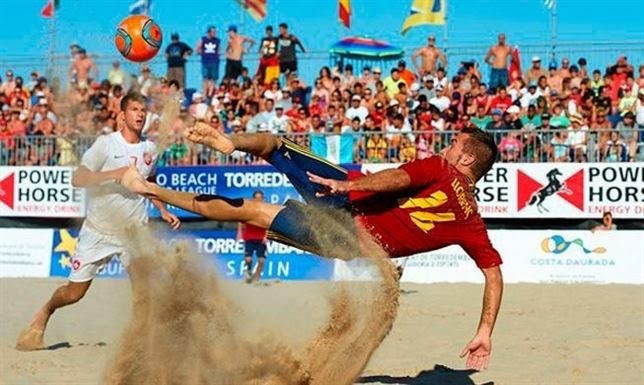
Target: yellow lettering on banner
(423,219)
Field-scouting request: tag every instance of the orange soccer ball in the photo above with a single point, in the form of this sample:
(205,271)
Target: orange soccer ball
(138,38)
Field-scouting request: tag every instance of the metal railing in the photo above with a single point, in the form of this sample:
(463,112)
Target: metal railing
(557,145)
(599,55)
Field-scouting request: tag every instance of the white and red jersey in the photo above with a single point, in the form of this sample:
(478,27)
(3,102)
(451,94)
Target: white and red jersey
(110,204)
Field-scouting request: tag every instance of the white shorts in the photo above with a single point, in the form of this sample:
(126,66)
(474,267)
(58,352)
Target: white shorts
(93,252)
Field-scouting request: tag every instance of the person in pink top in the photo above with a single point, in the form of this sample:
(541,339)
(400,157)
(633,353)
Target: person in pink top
(510,147)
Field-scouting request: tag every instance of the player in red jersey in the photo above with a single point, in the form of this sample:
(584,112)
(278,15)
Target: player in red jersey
(421,206)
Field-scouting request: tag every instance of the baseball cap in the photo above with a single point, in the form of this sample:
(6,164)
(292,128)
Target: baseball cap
(552,66)
(536,58)
(196,96)
(577,118)
(232,27)
(629,114)
(545,116)
(174,36)
(376,70)
(379,104)
(356,97)
(393,103)
(514,109)
(43,102)
(414,87)
(428,78)
(496,111)
(439,87)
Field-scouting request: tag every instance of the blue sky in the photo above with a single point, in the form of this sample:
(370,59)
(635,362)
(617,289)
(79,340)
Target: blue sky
(91,23)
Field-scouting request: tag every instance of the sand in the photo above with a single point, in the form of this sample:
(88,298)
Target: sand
(546,334)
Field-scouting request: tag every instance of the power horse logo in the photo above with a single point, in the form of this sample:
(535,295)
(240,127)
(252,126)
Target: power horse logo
(533,193)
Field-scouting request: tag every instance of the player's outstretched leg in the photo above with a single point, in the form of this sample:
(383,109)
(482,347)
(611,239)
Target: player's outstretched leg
(261,145)
(215,207)
(32,337)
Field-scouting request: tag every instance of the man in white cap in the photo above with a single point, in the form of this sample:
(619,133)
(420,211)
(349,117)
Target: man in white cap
(441,101)
(356,110)
(198,108)
(535,72)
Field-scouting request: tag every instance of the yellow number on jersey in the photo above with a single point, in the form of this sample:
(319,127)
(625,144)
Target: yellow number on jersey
(423,219)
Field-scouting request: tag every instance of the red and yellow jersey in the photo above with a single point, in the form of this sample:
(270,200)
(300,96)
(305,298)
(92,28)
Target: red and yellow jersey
(437,210)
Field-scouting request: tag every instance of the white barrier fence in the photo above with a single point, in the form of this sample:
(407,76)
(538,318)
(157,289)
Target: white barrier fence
(538,256)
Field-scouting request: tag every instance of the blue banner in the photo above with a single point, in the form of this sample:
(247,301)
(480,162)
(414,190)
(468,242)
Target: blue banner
(282,262)
(229,181)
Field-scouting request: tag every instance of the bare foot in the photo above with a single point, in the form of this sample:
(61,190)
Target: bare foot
(205,134)
(134,181)
(31,339)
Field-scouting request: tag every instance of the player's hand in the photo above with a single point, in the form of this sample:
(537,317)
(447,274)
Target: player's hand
(478,352)
(172,220)
(331,186)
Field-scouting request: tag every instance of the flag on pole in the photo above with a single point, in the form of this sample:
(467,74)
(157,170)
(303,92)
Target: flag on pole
(425,12)
(255,8)
(344,12)
(140,7)
(515,64)
(549,3)
(50,8)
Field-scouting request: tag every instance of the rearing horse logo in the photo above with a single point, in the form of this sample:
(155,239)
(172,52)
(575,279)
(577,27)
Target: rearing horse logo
(554,186)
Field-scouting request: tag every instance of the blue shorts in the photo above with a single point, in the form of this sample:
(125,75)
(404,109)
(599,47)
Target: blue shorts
(210,71)
(323,220)
(498,77)
(254,247)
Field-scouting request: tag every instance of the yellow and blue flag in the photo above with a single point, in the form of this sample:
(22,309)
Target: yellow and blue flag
(425,12)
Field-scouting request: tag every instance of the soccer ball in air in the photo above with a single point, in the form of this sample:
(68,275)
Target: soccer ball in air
(138,38)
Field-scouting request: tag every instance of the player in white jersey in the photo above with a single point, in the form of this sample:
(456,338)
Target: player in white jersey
(110,205)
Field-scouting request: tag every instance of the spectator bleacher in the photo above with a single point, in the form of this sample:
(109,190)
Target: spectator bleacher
(571,111)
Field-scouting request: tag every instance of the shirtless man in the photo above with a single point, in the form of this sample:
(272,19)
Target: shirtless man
(497,57)
(429,55)
(234,52)
(82,66)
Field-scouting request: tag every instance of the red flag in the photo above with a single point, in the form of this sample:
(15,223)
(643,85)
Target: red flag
(344,12)
(515,65)
(48,9)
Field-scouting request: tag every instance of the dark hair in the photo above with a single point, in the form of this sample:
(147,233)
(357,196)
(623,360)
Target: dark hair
(132,97)
(607,214)
(284,25)
(269,28)
(482,145)
(174,82)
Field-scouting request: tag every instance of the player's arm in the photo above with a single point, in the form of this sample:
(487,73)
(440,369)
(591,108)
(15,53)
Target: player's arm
(84,177)
(479,348)
(382,181)
(166,215)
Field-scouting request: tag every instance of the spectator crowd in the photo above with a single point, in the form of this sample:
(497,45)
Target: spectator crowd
(565,112)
